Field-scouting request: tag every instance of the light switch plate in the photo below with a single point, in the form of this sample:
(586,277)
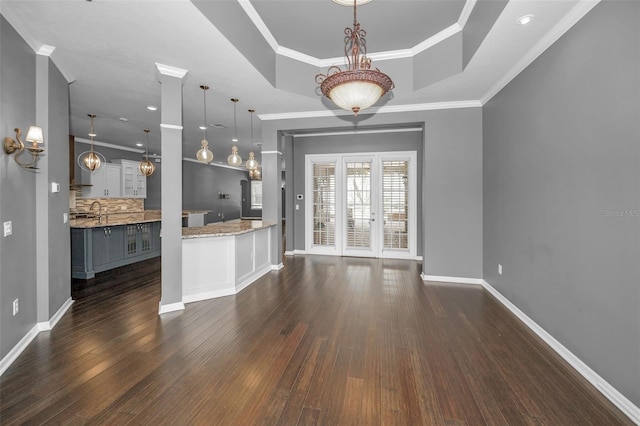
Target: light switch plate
(8,229)
(55,187)
(65,217)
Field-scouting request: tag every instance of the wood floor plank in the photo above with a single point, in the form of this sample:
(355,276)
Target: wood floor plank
(326,340)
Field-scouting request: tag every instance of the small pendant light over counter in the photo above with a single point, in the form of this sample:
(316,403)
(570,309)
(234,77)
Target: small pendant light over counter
(252,163)
(146,167)
(90,160)
(204,154)
(234,159)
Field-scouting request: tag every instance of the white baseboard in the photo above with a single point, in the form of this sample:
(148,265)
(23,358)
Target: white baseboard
(622,402)
(289,253)
(299,252)
(172,307)
(48,325)
(277,267)
(208,295)
(445,279)
(18,349)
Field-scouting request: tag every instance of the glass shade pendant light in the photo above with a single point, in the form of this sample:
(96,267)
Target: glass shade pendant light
(146,167)
(358,86)
(252,163)
(91,160)
(204,154)
(234,159)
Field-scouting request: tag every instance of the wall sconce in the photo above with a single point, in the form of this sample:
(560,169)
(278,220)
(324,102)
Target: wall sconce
(34,135)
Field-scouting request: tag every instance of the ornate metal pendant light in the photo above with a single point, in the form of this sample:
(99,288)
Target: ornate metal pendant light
(358,86)
(146,167)
(252,163)
(204,154)
(91,160)
(234,159)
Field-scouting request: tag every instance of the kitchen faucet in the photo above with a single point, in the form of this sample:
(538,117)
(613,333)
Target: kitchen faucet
(99,210)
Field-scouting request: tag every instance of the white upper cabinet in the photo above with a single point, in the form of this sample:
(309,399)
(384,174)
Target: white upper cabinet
(133,184)
(106,182)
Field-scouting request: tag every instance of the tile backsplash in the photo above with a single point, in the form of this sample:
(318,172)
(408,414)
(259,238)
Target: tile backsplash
(77,204)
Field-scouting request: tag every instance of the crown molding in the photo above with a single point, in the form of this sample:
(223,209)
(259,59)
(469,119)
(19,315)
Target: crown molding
(376,110)
(466,12)
(569,20)
(257,21)
(109,145)
(356,132)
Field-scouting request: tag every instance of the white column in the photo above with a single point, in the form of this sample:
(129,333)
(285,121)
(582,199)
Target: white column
(171,80)
(272,188)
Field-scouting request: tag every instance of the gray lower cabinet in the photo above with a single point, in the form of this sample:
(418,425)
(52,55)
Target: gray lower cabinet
(102,248)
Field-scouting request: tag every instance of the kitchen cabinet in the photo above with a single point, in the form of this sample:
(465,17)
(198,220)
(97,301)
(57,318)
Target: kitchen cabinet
(105,182)
(139,239)
(133,184)
(108,245)
(100,248)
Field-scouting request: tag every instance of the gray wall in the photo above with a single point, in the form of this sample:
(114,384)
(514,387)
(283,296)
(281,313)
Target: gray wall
(561,192)
(451,172)
(18,189)
(201,184)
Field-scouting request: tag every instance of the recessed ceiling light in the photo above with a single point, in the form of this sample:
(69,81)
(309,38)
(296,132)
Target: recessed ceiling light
(152,108)
(139,144)
(123,119)
(203,127)
(524,20)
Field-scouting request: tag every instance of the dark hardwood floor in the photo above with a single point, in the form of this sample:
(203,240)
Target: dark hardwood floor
(326,340)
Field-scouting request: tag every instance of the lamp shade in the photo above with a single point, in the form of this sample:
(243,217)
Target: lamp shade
(251,163)
(356,90)
(34,135)
(204,154)
(91,161)
(146,168)
(234,159)
(350,2)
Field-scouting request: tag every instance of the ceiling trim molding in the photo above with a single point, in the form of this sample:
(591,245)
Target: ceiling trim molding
(466,12)
(224,166)
(376,110)
(357,132)
(453,29)
(271,152)
(259,23)
(569,20)
(434,39)
(109,145)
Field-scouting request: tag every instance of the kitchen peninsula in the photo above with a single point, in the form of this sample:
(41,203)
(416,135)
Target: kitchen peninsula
(223,258)
(100,242)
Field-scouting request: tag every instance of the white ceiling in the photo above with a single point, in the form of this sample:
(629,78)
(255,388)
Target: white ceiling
(109,49)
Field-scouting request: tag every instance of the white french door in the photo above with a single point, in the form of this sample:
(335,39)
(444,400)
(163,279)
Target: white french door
(362,205)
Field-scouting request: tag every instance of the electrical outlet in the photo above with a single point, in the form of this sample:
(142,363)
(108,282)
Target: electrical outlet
(499,269)
(16,307)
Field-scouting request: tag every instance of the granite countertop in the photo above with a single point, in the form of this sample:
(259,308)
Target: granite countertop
(220,229)
(124,218)
(113,219)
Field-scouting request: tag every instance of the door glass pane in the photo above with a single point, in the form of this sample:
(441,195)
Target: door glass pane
(395,204)
(324,204)
(358,204)
(256,195)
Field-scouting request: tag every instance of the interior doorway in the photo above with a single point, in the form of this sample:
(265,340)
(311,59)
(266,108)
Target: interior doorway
(362,204)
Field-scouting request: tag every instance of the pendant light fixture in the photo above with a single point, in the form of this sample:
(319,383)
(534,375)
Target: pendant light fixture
(146,167)
(252,163)
(204,154)
(358,86)
(234,159)
(91,160)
